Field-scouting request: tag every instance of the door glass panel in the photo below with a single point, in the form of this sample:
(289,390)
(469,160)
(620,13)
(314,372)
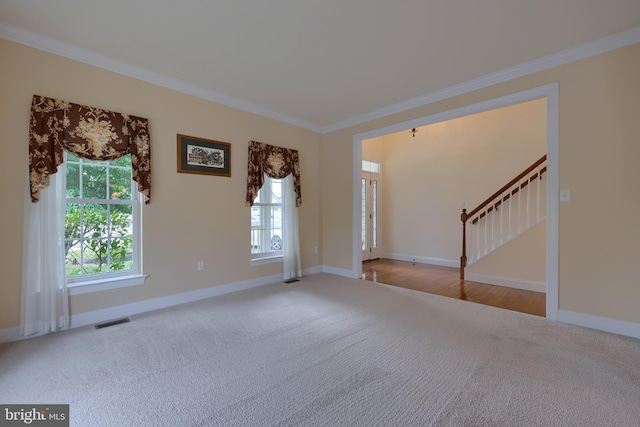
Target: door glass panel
(364,214)
(374,214)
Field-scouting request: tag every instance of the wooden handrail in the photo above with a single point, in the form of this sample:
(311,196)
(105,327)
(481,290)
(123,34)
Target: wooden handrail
(509,194)
(465,216)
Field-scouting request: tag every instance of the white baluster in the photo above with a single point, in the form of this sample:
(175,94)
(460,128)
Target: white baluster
(538,194)
(478,239)
(519,208)
(528,181)
(501,222)
(510,214)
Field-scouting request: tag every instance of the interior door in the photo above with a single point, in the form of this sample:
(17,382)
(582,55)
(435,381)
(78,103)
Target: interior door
(370,216)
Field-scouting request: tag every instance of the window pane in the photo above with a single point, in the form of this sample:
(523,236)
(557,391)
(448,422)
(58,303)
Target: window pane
(73,257)
(276,228)
(374,214)
(121,254)
(255,216)
(120,183)
(363,218)
(73,179)
(94,221)
(276,218)
(276,191)
(121,220)
(91,259)
(94,182)
(73,221)
(99,238)
(122,161)
(71,157)
(94,162)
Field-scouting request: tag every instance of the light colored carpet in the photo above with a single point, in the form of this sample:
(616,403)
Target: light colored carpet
(330,351)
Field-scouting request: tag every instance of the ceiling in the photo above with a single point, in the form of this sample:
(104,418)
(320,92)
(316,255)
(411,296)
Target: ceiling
(316,64)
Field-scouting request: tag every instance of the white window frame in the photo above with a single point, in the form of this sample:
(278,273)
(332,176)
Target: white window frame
(264,203)
(114,279)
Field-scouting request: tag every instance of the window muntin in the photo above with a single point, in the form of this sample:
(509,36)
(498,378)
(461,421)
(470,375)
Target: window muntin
(369,166)
(102,220)
(266,221)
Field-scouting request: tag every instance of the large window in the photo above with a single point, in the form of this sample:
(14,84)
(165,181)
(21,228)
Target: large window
(266,221)
(102,220)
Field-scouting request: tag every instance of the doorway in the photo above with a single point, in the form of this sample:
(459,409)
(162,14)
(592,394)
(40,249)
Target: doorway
(550,92)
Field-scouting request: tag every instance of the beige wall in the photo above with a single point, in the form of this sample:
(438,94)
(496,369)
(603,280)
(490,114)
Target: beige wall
(521,259)
(190,217)
(598,155)
(194,217)
(465,160)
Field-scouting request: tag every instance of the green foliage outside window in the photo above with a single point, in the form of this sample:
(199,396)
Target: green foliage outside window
(98,236)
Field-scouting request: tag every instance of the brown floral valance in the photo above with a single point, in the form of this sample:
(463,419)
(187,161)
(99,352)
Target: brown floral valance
(276,162)
(87,132)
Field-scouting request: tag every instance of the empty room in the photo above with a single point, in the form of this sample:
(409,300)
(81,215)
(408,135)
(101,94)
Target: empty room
(184,223)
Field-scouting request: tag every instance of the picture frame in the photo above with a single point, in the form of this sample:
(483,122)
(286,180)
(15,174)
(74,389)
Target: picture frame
(203,156)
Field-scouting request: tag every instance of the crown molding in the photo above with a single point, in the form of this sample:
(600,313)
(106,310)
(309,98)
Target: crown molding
(38,41)
(583,51)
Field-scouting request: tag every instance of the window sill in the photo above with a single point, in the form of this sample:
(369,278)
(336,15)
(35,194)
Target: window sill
(267,260)
(79,288)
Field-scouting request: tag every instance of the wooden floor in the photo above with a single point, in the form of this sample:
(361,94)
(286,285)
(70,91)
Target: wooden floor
(446,281)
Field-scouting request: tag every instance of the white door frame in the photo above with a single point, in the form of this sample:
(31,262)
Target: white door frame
(550,92)
(373,252)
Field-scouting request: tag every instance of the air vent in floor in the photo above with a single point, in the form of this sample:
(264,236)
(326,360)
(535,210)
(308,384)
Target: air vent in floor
(291,281)
(112,323)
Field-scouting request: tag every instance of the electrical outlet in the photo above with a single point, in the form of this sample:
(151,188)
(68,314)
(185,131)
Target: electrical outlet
(565,195)
(200,265)
(315,249)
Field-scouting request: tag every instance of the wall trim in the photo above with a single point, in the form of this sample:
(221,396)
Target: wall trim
(582,51)
(606,324)
(46,44)
(131,309)
(423,260)
(527,285)
(509,282)
(339,271)
(567,56)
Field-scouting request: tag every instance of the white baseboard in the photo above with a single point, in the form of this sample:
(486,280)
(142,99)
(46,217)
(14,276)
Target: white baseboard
(312,270)
(10,334)
(111,313)
(606,324)
(338,271)
(527,285)
(422,260)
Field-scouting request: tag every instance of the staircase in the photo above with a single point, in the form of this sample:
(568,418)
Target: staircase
(509,212)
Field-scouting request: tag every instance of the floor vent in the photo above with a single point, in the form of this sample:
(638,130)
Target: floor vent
(291,281)
(112,323)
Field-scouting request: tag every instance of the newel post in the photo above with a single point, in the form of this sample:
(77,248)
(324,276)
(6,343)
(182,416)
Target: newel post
(463,258)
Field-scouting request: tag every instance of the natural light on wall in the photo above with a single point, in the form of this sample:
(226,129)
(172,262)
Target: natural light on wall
(372,167)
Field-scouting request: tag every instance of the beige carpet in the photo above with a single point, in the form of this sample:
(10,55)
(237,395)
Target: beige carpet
(330,351)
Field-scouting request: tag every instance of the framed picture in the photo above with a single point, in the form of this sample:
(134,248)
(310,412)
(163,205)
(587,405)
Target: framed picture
(203,156)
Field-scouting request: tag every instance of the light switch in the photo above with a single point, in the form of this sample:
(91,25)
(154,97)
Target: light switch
(565,195)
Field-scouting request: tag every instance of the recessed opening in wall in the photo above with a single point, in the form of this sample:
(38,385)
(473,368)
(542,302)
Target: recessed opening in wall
(431,157)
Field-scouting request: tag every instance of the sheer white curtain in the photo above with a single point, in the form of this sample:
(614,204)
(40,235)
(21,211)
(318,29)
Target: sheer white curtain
(45,298)
(290,234)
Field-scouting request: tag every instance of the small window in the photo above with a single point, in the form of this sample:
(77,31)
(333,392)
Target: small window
(266,221)
(372,167)
(102,220)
